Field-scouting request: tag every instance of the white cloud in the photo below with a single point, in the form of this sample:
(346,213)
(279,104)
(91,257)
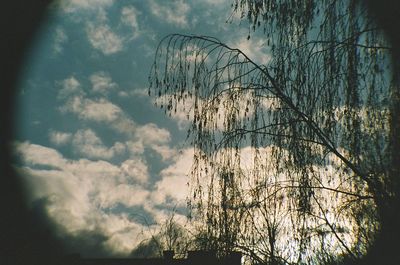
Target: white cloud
(140,92)
(174,180)
(69,86)
(103,38)
(129,195)
(135,147)
(226,3)
(71,6)
(173,12)
(59,138)
(184,111)
(157,139)
(123,239)
(123,94)
(33,154)
(102,82)
(124,125)
(99,110)
(136,92)
(151,134)
(136,169)
(165,151)
(60,38)
(94,14)
(129,16)
(254,48)
(78,191)
(87,143)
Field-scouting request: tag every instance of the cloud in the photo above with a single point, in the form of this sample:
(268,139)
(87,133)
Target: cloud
(165,151)
(71,6)
(226,3)
(157,139)
(151,134)
(136,169)
(173,12)
(80,193)
(59,138)
(255,48)
(103,111)
(129,16)
(102,82)
(184,113)
(69,86)
(140,92)
(173,188)
(102,38)
(60,37)
(94,15)
(33,154)
(100,110)
(87,143)
(137,93)
(129,195)
(135,147)
(123,94)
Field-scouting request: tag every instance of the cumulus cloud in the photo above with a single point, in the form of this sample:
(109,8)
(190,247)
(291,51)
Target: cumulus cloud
(173,12)
(135,148)
(254,48)
(173,188)
(137,93)
(151,134)
(136,169)
(102,38)
(226,3)
(130,195)
(83,192)
(184,113)
(140,92)
(157,139)
(93,14)
(69,86)
(103,111)
(71,6)
(87,143)
(129,16)
(80,194)
(59,138)
(165,151)
(100,110)
(102,82)
(33,154)
(60,37)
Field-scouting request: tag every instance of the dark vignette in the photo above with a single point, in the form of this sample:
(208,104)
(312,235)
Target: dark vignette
(26,236)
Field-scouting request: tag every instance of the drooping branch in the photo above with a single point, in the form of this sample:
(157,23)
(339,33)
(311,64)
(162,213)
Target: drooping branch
(213,76)
(315,117)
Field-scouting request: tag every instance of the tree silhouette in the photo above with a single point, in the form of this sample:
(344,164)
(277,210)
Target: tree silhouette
(295,160)
(170,236)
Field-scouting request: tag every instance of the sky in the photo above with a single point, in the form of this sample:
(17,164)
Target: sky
(96,156)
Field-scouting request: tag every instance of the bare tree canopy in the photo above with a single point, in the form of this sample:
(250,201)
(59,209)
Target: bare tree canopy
(293,160)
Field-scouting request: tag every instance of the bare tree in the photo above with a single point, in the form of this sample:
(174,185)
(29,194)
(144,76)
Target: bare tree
(294,159)
(169,235)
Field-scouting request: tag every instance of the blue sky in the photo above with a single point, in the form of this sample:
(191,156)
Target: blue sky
(90,142)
